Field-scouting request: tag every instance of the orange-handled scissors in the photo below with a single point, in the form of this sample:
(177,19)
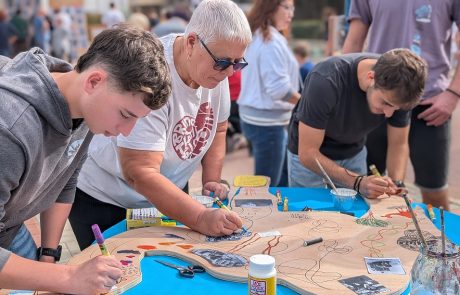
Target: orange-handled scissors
(184,271)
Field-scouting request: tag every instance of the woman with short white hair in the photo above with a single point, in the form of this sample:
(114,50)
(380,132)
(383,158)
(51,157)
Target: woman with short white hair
(154,163)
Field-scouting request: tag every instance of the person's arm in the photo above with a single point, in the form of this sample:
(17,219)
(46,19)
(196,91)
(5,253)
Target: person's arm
(294,98)
(354,42)
(52,222)
(213,162)
(443,104)
(398,151)
(275,76)
(310,140)
(95,276)
(141,169)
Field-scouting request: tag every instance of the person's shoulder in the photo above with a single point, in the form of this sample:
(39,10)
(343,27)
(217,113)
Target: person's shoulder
(12,109)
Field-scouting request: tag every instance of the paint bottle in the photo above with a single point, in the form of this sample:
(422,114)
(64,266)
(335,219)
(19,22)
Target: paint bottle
(262,275)
(286,204)
(278,196)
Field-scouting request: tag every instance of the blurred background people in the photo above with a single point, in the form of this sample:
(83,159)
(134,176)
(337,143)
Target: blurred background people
(22,28)
(42,31)
(113,16)
(175,22)
(8,34)
(139,20)
(302,55)
(269,87)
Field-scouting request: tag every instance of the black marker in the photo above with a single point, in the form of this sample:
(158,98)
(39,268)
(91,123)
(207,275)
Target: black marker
(313,241)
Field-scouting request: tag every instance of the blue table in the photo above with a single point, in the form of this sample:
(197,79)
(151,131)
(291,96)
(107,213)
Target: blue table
(164,280)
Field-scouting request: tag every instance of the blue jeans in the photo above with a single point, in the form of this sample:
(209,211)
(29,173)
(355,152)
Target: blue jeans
(269,150)
(299,176)
(23,244)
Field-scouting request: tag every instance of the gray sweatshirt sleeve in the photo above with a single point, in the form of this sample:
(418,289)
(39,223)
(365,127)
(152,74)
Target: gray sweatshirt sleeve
(12,162)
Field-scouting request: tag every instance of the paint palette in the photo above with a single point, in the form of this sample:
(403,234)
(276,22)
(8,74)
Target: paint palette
(205,200)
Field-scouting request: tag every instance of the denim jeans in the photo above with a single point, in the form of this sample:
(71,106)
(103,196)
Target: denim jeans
(23,244)
(299,176)
(269,149)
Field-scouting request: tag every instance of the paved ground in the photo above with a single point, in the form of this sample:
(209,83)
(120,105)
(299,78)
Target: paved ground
(240,163)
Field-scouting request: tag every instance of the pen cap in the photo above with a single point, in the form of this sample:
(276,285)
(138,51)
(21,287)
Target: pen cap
(97,234)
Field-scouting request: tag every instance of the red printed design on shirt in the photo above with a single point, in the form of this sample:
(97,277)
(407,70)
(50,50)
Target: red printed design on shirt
(190,135)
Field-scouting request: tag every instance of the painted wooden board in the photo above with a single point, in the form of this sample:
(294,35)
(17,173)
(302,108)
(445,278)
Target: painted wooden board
(385,231)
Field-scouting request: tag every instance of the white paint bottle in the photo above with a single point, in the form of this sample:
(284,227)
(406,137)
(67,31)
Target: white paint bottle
(262,275)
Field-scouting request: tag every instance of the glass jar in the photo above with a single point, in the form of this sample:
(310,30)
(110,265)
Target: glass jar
(435,273)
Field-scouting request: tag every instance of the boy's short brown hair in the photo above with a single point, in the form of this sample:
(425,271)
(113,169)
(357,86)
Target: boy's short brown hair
(135,61)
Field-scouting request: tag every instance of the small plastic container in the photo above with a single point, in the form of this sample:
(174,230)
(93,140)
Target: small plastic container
(344,198)
(205,200)
(262,275)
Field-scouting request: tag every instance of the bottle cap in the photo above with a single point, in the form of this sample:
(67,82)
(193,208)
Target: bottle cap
(261,263)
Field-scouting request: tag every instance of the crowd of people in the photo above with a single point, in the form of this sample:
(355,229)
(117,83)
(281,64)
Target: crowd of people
(128,125)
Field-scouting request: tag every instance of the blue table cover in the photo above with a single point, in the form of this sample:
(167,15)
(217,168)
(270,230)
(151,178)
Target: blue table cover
(164,280)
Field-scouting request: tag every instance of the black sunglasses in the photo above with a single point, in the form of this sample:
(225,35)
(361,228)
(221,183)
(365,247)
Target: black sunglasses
(223,64)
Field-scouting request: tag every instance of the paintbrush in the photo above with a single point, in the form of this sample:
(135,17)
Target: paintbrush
(328,179)
(417,227)
(443,233)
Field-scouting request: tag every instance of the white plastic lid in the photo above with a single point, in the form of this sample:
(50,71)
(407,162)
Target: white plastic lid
(261,263)
(344,192)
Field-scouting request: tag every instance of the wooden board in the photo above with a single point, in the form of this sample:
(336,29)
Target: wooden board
(385,231)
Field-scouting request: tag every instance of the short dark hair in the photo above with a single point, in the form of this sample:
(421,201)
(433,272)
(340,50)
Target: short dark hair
(402,72)
(135,61)
(302,49)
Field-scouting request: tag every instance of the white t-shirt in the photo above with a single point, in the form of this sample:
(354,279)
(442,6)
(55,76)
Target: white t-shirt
(183,129)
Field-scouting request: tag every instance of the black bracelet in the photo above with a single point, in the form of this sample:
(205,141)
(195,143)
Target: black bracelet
(356,181)
(453,92)
(399,183)
(359,184)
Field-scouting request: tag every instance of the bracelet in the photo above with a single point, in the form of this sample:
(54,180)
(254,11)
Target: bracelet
(359,184)
(356,181)
(224,182)
(399,183)
(453,92)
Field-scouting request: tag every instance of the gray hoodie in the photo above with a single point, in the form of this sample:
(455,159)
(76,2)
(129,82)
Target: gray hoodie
(40,154)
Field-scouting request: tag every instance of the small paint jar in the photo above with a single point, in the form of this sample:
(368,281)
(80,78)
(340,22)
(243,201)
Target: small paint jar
(344,198)
(262,275)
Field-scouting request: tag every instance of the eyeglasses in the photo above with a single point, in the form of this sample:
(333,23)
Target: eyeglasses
(288,7)
(223,64)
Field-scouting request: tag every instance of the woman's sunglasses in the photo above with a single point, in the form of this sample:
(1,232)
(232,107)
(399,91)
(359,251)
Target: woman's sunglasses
(223,64)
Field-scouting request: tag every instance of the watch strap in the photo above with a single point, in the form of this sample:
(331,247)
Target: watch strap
(56,253)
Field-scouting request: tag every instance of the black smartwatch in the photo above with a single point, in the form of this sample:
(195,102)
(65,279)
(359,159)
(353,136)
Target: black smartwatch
(399,183)
(56,253)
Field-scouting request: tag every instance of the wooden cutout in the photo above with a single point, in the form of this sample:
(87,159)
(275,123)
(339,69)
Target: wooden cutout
(312,269)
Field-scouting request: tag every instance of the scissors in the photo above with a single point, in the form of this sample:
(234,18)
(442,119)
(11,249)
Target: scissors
(184,271)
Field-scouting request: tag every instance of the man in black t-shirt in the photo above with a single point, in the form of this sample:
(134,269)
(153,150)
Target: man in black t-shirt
(344,98)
